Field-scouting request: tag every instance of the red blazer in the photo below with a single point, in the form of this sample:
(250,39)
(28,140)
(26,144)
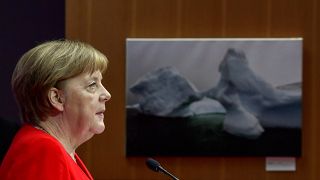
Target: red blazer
(35,154)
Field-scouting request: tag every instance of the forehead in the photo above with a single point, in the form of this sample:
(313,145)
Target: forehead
(88,76)
(94,75)
(82,79)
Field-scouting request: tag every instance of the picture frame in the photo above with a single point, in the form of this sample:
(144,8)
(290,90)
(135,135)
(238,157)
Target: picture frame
(213,97)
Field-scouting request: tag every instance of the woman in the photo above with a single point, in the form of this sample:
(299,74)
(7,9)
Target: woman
(62,101)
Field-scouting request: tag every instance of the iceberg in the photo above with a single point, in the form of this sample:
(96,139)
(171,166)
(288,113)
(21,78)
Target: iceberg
(250,103)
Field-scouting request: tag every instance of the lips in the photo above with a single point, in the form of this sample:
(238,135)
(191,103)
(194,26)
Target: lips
(101,113)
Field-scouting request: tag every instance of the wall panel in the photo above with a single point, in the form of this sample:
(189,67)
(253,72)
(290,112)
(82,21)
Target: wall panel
(106,24)
(246,18)
(286,18)
(202,19)
(155,18)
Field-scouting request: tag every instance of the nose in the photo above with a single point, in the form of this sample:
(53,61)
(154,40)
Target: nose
(105,95)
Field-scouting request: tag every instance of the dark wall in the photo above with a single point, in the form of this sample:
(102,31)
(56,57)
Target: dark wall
(23,24)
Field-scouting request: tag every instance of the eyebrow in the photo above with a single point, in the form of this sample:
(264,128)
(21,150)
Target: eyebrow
(96,77)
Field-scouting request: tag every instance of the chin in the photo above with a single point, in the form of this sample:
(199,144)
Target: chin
(99,129)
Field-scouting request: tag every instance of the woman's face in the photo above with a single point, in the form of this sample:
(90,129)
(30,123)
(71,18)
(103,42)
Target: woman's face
(84,99)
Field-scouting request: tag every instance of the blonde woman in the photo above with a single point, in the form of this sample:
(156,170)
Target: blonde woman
(58,88)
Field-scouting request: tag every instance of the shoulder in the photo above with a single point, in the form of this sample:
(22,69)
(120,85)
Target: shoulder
(30,139)
(35,153)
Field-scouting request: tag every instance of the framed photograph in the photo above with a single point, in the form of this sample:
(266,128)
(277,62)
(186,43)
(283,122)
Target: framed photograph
(213,97)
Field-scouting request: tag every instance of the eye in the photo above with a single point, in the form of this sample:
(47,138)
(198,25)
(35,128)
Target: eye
(92,86)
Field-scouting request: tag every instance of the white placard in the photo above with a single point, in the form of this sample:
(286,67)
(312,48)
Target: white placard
(280,164)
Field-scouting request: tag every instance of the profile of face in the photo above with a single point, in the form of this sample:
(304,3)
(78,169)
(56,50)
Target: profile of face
(82,104)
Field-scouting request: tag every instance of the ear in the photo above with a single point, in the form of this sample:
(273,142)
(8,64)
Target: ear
(55,98)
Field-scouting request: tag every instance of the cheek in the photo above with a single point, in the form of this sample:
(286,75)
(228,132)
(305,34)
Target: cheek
(81,100)
(81,113)
(87,105)
(80,103)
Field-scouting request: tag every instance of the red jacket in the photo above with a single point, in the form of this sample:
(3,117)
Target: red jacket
(35,154)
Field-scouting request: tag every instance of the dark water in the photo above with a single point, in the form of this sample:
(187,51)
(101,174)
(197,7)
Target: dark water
(203,136)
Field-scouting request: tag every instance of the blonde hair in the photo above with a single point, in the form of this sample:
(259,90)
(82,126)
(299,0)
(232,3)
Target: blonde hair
(42,67)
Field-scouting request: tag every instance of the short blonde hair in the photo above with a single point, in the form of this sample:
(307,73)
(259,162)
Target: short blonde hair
(42,67)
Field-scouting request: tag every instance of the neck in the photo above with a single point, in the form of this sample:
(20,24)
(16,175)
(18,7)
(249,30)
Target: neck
(61,133)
